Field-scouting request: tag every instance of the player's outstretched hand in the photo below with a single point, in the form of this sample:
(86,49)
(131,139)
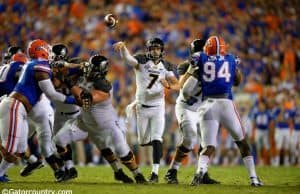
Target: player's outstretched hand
(119,45)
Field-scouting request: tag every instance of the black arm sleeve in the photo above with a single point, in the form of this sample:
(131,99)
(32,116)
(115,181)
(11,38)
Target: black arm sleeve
(182,67)
(102,85)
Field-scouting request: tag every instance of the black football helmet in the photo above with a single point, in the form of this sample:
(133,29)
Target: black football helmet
(155,43)
(10,52)
(96,68)
(60,51)
(197,45)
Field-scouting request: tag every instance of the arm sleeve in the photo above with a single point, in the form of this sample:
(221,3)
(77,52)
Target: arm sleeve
(103,85)
(189,87)
(182,68)
(129,59)
(48,88)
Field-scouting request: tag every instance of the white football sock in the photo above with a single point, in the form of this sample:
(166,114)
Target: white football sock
(155,168)
(4,165)
(202,164)
(249,163)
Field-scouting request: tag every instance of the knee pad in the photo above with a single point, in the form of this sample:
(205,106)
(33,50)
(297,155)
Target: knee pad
(183,149)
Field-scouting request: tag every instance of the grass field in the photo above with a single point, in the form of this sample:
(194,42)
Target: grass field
(100,180)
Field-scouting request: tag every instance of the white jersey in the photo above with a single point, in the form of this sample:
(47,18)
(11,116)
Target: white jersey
(148,75)
(65,108)
(191,104)
(195,100)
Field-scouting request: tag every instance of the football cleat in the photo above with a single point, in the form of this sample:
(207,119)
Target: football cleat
(171,176)
(71,173)
(208,180)
(29,168)
(140,179)
(121,176)
(197,180)
(153,178)
(255,182)
(4,179)
(60,176)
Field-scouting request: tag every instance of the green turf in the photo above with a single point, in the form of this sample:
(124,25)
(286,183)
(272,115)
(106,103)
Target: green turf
(100,180)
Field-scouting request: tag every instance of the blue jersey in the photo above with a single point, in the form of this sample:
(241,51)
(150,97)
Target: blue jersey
(27,84)
(282,118)
(7,77)
(262,119)
(216,74)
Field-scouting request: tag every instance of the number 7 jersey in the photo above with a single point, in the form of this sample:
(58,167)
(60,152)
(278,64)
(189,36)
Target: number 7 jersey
(149,89)
(216,73)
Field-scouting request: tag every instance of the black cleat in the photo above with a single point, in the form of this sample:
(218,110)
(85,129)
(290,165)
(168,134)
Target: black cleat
(71,173)
(60,176)
(29,168)
(171,176)
(208,180)
(255,182)
(121,176)
(153,178)
(197,180)
(140,179)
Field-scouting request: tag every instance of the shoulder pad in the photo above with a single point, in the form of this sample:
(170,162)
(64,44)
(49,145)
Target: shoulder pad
(103,85)
(168,65)
(141,58)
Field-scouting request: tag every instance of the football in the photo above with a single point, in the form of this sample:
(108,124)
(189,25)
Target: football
(110,20)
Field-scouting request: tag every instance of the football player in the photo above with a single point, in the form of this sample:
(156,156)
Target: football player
(262,124)
(217,72)
(10,52)
(153,73)
(33,82)
(295,141)
(9,76)
(99,118)
(187,117)
(283,121)
(65,131)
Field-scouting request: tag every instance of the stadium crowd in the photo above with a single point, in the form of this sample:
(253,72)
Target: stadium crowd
(264,34)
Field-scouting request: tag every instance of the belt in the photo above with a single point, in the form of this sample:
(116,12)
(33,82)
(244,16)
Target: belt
(217,96)
(147,106)
(69,113)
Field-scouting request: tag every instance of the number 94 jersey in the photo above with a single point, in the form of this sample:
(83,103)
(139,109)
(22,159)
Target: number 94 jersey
(216,73)
(149,90)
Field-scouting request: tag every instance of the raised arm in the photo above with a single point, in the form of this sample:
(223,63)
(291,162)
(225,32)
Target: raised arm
(125,54)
